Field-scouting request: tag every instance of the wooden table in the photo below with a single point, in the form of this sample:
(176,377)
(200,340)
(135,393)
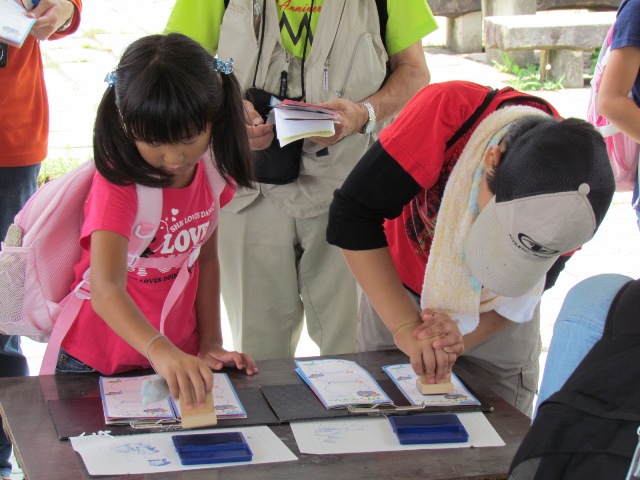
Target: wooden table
(42,456)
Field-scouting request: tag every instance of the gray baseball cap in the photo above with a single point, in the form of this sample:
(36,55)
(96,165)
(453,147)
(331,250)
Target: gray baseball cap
(554,186)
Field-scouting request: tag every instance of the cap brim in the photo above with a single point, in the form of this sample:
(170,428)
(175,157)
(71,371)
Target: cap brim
(496,263)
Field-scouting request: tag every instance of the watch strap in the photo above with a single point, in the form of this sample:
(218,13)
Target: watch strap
(371,123)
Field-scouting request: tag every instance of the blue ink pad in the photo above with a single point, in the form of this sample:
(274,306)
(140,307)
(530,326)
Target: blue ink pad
(437,428)
(204,448)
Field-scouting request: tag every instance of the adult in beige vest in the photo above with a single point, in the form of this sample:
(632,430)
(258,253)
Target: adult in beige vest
(276,265)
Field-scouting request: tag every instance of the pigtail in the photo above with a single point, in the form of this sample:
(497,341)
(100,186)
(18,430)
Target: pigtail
(114,151)
(231,149)
(109,138)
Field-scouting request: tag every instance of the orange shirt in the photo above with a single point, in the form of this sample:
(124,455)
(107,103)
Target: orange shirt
(24,107)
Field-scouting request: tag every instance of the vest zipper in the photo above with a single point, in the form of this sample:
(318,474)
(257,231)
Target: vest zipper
(325,72)
(340,92)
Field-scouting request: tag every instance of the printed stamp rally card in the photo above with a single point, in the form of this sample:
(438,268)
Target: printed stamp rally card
(405,379)
(339,383)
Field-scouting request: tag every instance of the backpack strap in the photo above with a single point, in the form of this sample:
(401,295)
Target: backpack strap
(472,119)
(217,185)
(147,220)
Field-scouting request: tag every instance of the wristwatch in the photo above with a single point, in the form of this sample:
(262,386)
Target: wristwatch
(371,123)
(68,23)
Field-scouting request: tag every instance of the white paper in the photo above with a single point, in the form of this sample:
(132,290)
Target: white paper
(154,452)
(14,24)
(374,434)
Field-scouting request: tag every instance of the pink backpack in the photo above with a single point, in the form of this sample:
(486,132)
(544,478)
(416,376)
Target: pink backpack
(623,151)
(42,247)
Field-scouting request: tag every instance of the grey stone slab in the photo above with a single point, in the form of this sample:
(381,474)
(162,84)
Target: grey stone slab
(557,30)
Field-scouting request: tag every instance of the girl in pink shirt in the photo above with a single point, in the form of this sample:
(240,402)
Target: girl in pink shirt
(169,108)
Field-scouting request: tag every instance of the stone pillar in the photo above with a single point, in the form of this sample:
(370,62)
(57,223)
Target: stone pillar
(568,63)
(509,7)
(464,33)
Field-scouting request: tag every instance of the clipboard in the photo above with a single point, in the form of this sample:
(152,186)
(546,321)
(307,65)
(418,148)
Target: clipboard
(295,402)
(74,416)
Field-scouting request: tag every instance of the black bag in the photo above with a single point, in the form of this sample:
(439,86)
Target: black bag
(276,165)
(587,430)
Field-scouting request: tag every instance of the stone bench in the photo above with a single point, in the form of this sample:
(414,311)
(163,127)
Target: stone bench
(464,17)
(561,37)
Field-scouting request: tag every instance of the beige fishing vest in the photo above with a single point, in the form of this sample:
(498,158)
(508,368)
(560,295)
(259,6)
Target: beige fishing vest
(347,60)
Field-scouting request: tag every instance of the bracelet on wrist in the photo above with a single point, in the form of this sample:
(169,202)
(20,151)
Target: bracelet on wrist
(151,342)
(68,23)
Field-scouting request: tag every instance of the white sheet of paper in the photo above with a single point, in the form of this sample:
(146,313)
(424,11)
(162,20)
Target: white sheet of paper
(154,452)
(374,434)
(14,24)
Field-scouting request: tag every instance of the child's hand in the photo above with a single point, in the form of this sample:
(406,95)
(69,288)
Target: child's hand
(188,377)
(440,326)
(434,365)
(217,357)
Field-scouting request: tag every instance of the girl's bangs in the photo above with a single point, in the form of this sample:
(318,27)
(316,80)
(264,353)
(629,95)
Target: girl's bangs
(167,115)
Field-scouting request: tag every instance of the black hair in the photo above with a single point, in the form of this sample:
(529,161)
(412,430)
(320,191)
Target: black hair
(166,90)
(515,131)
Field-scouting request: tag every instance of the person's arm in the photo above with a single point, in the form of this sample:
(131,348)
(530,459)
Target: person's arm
(376,274)
(55,18)
(376,189)
(489,325)
(613,98)
(110,300)
(409,74)
(208,313)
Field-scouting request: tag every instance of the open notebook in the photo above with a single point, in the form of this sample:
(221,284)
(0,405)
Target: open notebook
(405,379)
(339,383)
(295,120)
(122,401)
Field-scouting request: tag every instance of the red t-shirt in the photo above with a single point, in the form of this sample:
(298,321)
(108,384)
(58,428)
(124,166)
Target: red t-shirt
(417,140)
(185,212)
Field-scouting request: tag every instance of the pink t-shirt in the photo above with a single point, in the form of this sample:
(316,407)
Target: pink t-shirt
(112,207)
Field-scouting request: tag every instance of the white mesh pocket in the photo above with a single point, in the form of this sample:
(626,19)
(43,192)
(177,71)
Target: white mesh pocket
(23,308)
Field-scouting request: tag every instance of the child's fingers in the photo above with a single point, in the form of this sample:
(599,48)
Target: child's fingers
(249,364)
(444,363)
(452,342)
(424,363)
(207,375)
(174,388)
(456,349)
(216,364)
(187,393)
(434,330)
(198,388)
(238,360)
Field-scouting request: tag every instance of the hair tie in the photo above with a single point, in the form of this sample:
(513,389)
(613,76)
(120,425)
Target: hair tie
(110,78)
(223,67)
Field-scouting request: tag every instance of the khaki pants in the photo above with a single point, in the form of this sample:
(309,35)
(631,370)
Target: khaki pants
(275,271)
(508,362)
